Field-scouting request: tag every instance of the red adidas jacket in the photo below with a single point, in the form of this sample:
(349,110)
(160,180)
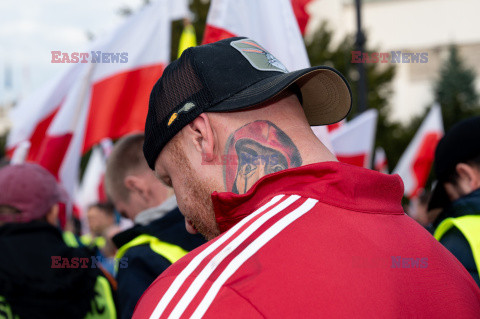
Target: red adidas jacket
(324,240)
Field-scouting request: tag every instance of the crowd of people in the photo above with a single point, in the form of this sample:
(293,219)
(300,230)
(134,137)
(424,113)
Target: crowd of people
(283,230)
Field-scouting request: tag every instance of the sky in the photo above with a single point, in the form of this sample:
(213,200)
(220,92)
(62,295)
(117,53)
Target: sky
(31,29)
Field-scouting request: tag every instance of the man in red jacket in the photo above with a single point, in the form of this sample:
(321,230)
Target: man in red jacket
(294,233)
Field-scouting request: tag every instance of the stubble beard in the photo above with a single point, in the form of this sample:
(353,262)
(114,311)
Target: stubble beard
(198,206)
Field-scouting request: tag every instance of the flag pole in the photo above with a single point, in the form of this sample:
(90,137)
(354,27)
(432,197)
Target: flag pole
(360,46)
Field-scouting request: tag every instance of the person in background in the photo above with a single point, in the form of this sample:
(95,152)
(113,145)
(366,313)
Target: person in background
(40,276)
(457,193)
(158,238)
(100,217)
(418,210)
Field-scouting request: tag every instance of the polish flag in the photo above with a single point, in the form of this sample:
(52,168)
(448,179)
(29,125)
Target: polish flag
(120,91)
(353,142)
(300,8)
(336,126)
(415,164)
(33,115)
(91,190)
(381,163)
(271,23)
(105,97)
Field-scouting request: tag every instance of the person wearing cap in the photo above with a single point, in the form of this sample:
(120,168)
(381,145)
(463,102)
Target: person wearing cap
(40,276)
(457,193)
(158,237)
(293,232)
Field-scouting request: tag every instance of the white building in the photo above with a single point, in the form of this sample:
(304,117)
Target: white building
(409,26)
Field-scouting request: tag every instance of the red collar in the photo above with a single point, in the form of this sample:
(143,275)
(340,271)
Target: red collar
(333,183)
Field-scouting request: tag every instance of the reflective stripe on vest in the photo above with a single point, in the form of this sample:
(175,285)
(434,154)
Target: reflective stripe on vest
(70,239)
(89,241)
(169,251)
(6,310)
(469,225)
(102,305)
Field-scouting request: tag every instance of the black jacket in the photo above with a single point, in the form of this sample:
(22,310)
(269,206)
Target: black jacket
(454,240)
(144,265)
(30,285)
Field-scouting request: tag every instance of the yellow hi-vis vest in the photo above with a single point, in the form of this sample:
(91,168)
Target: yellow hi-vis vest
(102,305)
(70,239)
(169,251)
(89,241)
(469,225)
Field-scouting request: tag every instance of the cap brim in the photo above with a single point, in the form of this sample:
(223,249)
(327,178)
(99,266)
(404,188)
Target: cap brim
(327,97)
(439,197)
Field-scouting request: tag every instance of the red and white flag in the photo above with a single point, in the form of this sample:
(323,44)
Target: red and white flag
(34,114)
(381,163)
(415,164)
(300,8)
(336,126)
(354,141)
(108,95)
(91,190)
(120,91)
(272,23)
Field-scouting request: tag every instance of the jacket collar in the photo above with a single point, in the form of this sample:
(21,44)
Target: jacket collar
(147,216)
(332,183)
(466,205)
(156,228)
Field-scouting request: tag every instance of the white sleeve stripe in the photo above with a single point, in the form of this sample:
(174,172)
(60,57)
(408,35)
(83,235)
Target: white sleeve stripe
(213,264)
(248,252)
(180,279)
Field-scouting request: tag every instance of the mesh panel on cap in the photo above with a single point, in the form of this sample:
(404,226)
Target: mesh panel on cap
(179,84)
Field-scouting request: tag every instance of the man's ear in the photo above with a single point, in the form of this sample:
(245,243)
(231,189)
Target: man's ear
(202,136)
(135,185)
(469,177)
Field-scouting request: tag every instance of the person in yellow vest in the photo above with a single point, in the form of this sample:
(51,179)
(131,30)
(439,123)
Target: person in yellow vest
(158,238)
(100,216)
(40,275)
(457,193)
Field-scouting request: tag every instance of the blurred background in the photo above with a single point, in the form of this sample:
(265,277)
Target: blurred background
(402,93)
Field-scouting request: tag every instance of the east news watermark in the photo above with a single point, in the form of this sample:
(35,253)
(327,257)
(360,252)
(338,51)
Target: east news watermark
(89,57)
(394,262)
(395,57)
(85,262)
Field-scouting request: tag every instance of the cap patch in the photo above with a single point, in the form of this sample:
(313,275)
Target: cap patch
(258,57)
(184,109)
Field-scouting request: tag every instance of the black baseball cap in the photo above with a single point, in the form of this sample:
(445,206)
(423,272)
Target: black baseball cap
(233,74)
(459,145)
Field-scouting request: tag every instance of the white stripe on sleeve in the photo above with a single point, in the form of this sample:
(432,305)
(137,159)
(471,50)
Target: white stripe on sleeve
(180,279)
(248,252)
(200,280)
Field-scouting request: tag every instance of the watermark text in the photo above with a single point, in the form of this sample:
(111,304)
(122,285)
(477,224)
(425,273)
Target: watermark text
(92,57)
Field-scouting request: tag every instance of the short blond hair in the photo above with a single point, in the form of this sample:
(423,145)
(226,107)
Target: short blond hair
(126,157)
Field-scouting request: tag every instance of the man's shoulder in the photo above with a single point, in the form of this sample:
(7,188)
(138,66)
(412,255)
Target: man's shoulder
(317,245)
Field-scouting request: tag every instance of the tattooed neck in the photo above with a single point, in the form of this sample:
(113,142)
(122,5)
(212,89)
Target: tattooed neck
(261,148)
